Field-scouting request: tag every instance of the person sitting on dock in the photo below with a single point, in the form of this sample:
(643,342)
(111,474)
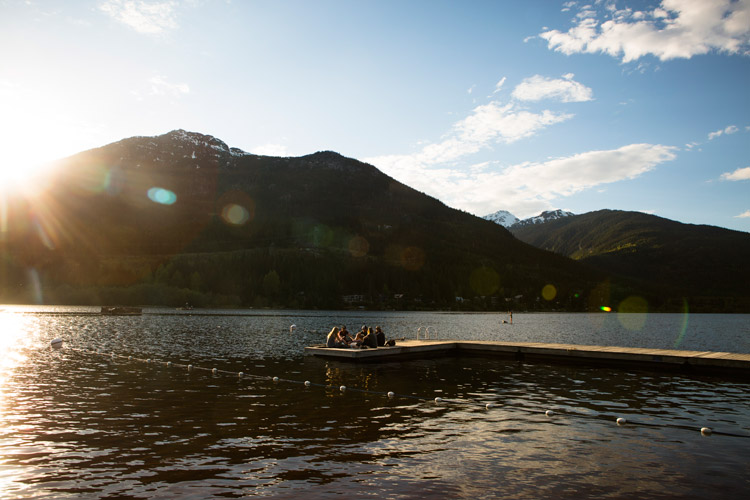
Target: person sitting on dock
(345,336)
(380,336)
(358,339)
(333,339)
(370,340)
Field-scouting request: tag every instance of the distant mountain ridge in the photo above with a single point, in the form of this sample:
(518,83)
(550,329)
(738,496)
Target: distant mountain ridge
(508,220)
(692,260)
(183,217)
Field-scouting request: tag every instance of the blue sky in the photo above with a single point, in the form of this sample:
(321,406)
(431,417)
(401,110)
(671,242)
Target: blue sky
(516,105)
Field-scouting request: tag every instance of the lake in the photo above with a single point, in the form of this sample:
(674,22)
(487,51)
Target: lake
(81,423)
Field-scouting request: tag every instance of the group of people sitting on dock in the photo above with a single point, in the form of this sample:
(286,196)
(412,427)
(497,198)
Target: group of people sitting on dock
(366,337)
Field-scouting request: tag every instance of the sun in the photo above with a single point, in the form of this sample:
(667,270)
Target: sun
(21,173)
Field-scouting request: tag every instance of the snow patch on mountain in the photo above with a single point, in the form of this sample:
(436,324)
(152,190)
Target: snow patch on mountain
(502,217)
(546,216)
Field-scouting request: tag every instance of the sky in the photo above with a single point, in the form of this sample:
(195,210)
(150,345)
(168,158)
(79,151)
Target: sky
(517,105)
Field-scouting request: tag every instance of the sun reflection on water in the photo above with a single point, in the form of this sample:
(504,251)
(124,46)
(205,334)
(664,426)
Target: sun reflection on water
(13,341)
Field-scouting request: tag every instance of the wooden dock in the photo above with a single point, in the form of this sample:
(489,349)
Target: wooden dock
(659,359)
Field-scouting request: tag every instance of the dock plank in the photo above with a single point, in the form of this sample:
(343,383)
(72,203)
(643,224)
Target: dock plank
(736,363)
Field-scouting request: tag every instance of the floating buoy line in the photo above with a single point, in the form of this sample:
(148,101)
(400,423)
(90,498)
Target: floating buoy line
(620,421)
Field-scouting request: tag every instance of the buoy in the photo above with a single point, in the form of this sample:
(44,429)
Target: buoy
(307,383)
(342,388)
(621,421)
(130,358)
(292,328)
(706,431)
(169,363)
(148,360)
(190,367)
(489,406)
(276,379)
(438,400)
(240,374)
(391,394)
(214,370)
(549,413)
(57,343)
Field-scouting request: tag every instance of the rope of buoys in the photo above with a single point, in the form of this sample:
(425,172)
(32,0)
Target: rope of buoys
(57,344)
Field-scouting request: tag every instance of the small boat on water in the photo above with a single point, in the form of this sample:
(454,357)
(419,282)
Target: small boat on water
(121,311)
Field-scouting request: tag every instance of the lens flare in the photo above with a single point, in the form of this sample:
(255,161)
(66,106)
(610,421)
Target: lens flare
(235,214)
(549,292)
(35,283)
(413,258)
(162,196)
(484,280)
(684,325)
(358,246)
(632,313)
(606,309)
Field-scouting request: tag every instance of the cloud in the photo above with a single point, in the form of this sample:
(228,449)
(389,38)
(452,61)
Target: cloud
(499,85)
(148,17)
(486,125)
(537,87)
(270,150)
(741,174)
(676,29)
(160,86)
(526,188)
(731,129)
(743,215)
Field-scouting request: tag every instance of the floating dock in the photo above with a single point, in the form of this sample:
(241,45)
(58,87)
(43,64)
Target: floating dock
(659,359)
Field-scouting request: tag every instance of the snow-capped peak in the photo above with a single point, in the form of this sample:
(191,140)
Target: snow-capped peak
(544,217)
(502,217)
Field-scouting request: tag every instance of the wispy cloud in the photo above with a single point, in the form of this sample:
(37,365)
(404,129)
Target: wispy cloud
(731,129)
(526,188)
(499,85)
(270,150)
(444,169)
(743,215)
(148,17)
(160,86)
(675,29)
(566,89)
(741,174)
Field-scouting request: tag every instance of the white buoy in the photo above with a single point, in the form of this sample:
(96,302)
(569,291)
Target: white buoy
(130,358)
(56,343)
(342,388)
(307,383)
(391,394)
(148,360)
(169,363)
(549,413)
(214,371)
(190,367)
(438,400)
(276,379)
(489,406)
(706,431)
(621,421)
(240,374)
(292,328)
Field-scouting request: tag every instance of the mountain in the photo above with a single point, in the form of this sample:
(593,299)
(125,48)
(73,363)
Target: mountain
(546,216)
(705,264)
(183,217)
(508,220)
(503,218)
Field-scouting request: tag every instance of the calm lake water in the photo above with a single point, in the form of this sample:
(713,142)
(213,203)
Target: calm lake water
(80,424)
